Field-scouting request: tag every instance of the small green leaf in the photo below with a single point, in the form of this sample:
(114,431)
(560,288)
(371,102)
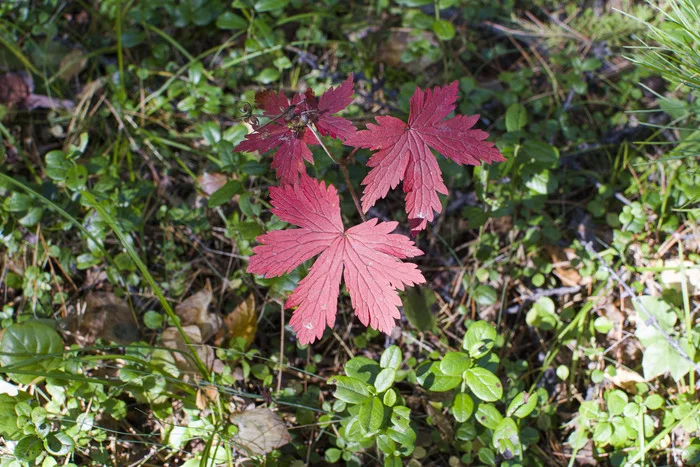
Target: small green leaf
(522,405)
(462,407)
(487,456)
(563,372)
(384,380)
(57,165)
(28,449)
(516,117)
(691,454)
(363,369)
(484,384)
(269,5)
(432,378)
(390,398)
(231,21)
(59,444)
(268,75)
(505,436)
(654,402)
(488,415)
(485,295)
(417,305)
(371,415)
(616,400)
(391,358)
(332,455)
(349,389)
(76,177)
(479,339)
(455,363)
(602,432)
(386,444)
(444,30)
(153,319)
(225,193)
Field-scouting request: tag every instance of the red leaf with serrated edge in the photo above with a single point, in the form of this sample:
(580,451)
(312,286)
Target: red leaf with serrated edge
(366,255)
(288,131)
(404,152)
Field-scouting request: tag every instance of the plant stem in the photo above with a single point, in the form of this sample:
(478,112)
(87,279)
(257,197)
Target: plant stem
(343,169)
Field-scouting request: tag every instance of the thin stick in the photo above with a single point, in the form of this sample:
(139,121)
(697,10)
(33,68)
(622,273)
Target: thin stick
(279,372)
(651,319)
(343,169)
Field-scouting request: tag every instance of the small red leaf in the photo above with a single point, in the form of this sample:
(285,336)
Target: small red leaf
(366,255)
(404,152)
(287,131)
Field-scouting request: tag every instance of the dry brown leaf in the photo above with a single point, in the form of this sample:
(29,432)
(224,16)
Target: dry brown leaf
(561,259)
(673,277)
(259,431)
(106,317)
(195,310)
(172,339)
(627,379)
(72,64)
(206,395)
(241,322)
(211,182)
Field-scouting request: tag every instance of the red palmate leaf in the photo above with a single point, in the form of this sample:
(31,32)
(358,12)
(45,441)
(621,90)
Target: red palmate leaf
(288,132)
(404,152)
(366,255)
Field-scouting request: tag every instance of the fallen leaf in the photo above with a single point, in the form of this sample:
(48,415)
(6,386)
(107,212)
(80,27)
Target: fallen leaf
(259,431)
(241,322)
(172,339)
(106,317)
(627,379)
(561,260)
(195,310)
(211,182)
(674,279)
(72,64)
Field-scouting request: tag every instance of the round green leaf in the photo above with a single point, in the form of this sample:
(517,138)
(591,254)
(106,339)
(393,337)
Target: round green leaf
(59,444)
(488,415)
(32,342)
(76,177)
(443,29)
(455,363)
(332,455)
(485,295)
(691,454)
(654,402)
(28,449)
(617,400)
(384,380)
(506,436)
(462,407)
(349,389)
(391,358)
(479,339)
(432,378)
(362,368)
(484,384)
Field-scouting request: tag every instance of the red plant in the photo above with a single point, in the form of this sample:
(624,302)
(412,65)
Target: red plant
(367,255)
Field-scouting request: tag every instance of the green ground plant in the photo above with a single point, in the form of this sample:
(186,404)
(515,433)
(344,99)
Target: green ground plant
(558,321)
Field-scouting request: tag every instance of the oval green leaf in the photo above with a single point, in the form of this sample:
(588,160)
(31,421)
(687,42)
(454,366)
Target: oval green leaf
(484,384)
